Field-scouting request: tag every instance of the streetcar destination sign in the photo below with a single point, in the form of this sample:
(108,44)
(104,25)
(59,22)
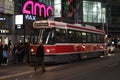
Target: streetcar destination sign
(41,24)
(32,8)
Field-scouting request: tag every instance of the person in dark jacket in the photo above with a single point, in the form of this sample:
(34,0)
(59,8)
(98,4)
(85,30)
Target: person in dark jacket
(40,57)
(1,52)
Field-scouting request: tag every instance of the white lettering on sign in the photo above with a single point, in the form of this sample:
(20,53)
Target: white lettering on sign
(2,19)
(30,17)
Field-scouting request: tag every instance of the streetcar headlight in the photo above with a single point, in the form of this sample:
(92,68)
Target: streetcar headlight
(48,50)
(31,50)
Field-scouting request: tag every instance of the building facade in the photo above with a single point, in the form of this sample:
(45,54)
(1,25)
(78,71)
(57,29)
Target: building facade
(104,14)
(24,31)
(6,20)
(113,15)
(90,12)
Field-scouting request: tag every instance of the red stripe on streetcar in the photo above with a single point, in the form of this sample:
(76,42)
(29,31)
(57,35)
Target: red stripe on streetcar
(84,28)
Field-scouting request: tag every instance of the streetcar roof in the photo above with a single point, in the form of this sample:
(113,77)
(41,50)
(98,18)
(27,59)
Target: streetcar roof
(48,24)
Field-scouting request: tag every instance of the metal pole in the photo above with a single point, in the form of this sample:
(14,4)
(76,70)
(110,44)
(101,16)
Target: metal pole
(24,27)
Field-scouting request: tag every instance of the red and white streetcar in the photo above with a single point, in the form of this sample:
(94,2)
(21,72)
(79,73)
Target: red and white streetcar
(64,42)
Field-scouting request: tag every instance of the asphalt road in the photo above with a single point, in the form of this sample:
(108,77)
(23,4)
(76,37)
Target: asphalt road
(104,68)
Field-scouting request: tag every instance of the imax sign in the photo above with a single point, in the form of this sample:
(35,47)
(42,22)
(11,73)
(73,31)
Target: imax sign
(30,17)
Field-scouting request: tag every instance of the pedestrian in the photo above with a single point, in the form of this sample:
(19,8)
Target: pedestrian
(40,57)
(5,56)
(27,51)
(18,53)
(1,51)
(14,54)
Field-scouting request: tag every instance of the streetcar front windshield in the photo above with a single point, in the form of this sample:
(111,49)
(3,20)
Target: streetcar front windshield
(44,34)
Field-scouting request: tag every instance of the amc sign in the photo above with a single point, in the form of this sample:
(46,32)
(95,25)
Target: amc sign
(32,8)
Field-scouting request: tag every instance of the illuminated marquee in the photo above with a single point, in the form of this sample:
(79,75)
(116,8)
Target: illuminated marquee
(34,6)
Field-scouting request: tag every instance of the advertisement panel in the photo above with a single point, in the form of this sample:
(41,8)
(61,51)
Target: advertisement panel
(19,19)
(9,7)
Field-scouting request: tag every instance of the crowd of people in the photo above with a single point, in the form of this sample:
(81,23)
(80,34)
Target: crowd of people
(17,53)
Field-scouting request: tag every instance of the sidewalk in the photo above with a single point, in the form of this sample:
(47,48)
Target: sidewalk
(12,70)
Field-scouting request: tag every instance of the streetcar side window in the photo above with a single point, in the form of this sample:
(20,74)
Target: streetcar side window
(78,37)
(89,37)
(102,38)
(60,35)
(71,36)
(94,38)
(84,36)
(98,38)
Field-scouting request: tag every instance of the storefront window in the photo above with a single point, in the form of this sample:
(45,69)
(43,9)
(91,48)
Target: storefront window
(4,21)
(47,2)
(57,8)
(93,12)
